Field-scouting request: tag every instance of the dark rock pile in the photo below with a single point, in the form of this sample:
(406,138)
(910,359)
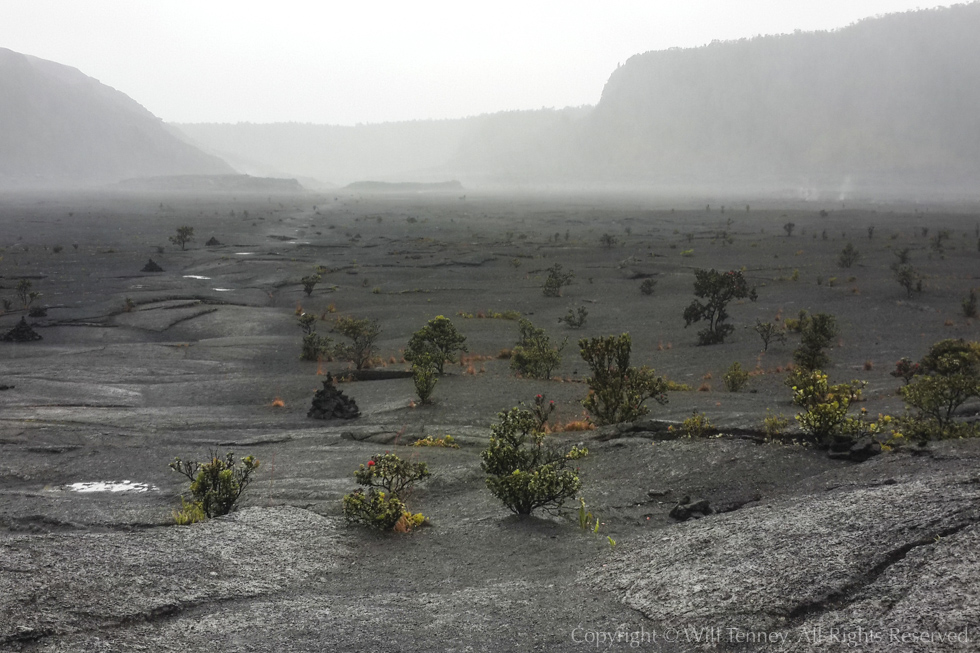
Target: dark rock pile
(151,266)
(331,403)
(212,242)
(21,333)
(687,509)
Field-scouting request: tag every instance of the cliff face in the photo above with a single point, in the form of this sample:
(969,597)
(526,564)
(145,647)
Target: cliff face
(61,127)
(892,96)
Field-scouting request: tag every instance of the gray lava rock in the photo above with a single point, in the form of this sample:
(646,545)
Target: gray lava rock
(331,403)
(22,333)
(151,266)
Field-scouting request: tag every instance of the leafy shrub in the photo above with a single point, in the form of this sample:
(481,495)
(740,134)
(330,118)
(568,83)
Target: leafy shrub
(774,426)
(315,346)
(909,278)
(817,332)
(648,286)
(388,478)
(439,339)
(534,356)
(556,280)
(183,236)
(190,513)
(575,318)
(25,294)
(608,240)
(424,377)
(363,333)
(906,369)
(380,510)
(735,378)
(718,289)
(697,425)
(949,376)
(617,390)
(522,471)
(848,256)
(309,282)
(824,416)
(217,484)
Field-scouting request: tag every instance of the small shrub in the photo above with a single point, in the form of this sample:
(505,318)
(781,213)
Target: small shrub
(25,294)
(697,425)
(575,318)
(447,442)
(848,256)
(374,509)
(315,346)
(439,339)
(608,240)
(556,280)
(309,283)
(522,471)
(687,253)
(190,512)
(617,391)
(817,332)
(424,377)
(788,228)
(736,378)
(949,376)
(217,484)
(391,474)
(970,304)
(824,415)
(57,249)
(774,426)
(908,278)
(534,356)
(648,286)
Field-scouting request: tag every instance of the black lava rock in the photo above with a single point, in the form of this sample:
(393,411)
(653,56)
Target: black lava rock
(331,403)
(151,266)
(22,333)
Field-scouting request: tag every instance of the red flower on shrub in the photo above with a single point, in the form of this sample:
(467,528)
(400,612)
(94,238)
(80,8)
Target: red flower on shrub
(370,463)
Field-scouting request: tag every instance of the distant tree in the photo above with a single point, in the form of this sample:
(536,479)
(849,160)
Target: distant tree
(556,280)
(909,278)
(535,356)
(817,332)
(608,240)
(788,228)
(184,235)
(309,282)
(769,332)
(718,289)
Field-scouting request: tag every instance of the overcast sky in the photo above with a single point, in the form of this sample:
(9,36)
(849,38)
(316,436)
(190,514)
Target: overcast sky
(365,61)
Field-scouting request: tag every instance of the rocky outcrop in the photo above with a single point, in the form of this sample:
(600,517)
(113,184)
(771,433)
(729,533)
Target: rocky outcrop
(899,557)
(21,333)
(151,266)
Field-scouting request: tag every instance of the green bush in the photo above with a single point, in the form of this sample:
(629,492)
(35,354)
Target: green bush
(424,377)
(439,339)
(522,471)
(970,304)
(909,278)
(315,346)
(848,256)
(617,390)
(217,484)
(575,318)
(362,333)
(718,290)
(388,478)
(948,376)
(534,356)
(309,283)
(817,332)
(697,425)
(556,280)
(824,416)
(735,378)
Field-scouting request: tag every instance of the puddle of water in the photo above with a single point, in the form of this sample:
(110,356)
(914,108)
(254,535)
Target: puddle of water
(110,486)
(196,276)
(222,289)
(244,253)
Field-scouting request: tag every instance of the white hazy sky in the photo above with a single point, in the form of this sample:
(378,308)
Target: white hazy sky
(368,61)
